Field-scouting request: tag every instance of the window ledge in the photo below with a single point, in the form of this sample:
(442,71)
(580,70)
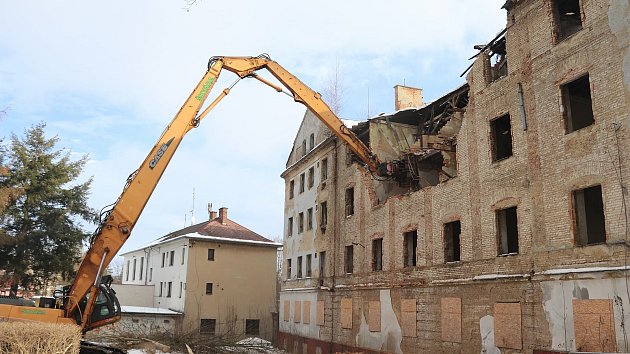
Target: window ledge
(507,254)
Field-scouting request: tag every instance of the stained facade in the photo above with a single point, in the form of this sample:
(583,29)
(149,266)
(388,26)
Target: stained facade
(510,230)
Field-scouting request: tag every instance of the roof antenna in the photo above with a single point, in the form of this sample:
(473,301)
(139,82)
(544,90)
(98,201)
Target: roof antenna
(192,211)
(368,102)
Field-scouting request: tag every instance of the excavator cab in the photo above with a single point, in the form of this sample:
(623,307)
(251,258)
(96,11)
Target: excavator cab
(106,307)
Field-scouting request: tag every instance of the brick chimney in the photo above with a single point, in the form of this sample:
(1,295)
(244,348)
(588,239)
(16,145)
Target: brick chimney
(407,97)
(223,215)
(211,213)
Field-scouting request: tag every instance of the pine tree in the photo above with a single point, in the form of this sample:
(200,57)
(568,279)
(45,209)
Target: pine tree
(41,226)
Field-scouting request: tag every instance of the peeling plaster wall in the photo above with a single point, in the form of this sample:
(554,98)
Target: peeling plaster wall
(486,328)
(310,330)
(619,22)
(558,305)
(390,335)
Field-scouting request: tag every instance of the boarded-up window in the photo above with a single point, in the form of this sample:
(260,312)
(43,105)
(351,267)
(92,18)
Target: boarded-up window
(346,313)
(297,311)
(408,314)
(451,319)
(594,325)
(374,316)
(507,325)
(287,310)
(306,312)
(320,313)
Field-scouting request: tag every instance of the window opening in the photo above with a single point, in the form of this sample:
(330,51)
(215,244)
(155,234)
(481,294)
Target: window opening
(452,241)
(410,246)
(183,254)
(501,131)
(291,188)
(498,60)
(141,267)
(161,287)
(507,231)
(567,18)
(252,327)
(302,183)
(577,104)
(211,254)
(171,259)
(324,170)
(300,223)
(289,269)
(377,254)
(309,219)
(311,177)
(290,227)
(349,201)
(323,216)
(322,264)
(208,288)
(163,259)
(169,288)
(299,267)
(311,141)
(349,263)
(303,147)
(308,266)
(208,326)
(127,272)
(181,289)
(590,223)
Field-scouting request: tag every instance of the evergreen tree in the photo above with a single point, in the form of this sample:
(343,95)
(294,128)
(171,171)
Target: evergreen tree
(41,232)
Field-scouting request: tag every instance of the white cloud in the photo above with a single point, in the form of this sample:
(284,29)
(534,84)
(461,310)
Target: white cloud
(108,76)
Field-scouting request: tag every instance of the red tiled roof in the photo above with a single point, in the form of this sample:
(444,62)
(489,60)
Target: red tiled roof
(214,227)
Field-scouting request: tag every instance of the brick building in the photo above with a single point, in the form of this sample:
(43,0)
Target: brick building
(509,232)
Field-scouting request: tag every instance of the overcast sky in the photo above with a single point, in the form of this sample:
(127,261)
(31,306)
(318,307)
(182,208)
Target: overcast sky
(106,77)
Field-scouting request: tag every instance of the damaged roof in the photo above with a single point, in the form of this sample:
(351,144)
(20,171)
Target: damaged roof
(422,116)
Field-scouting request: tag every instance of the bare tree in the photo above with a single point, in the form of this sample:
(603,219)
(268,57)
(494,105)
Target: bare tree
(334,90)
(115,268)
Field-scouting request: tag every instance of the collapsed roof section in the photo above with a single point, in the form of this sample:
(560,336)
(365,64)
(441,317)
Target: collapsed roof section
(424,139)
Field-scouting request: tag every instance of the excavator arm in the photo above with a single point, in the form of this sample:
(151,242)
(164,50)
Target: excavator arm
(118,222)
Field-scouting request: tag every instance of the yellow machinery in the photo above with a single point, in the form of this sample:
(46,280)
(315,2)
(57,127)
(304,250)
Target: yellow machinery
(89,302)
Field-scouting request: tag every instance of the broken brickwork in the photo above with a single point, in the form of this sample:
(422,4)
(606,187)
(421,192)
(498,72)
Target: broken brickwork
(533,189)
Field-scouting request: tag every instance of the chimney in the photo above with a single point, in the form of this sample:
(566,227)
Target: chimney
(211,213)
(223,215)
(407,97)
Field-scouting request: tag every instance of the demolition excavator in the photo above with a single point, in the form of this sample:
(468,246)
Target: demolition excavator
(89,301)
